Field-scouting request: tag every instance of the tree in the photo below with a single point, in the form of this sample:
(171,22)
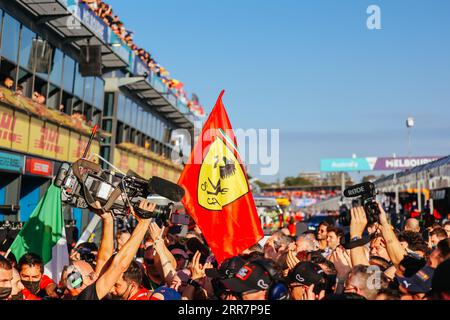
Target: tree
(335,179)
(369,178)
(296,182)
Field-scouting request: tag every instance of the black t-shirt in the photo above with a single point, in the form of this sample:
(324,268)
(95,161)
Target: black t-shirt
(90,293)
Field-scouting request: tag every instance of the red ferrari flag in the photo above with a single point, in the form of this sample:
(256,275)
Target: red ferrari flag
(218,195)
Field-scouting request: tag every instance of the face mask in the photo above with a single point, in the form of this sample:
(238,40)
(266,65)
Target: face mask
(33,286)
(5,293)
(18,296)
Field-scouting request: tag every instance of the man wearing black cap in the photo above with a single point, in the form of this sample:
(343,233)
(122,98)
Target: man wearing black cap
(252,282)
(306,278)
(227,270)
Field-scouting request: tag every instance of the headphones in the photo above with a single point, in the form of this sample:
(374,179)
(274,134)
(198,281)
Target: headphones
(278,290)
(74,278)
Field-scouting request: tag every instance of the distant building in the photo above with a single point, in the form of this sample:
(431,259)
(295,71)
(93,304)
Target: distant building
(314,177)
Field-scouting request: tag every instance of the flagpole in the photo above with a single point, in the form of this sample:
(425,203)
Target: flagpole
(89,230)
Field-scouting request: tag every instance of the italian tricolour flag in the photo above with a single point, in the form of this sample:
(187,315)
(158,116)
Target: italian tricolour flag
(44,234)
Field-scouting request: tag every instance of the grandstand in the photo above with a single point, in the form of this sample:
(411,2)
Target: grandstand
(48,108)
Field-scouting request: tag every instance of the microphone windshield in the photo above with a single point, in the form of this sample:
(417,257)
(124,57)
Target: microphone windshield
(359,190)
(166,189)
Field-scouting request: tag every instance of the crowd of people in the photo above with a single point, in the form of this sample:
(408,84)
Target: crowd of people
(105,12)
(372,262)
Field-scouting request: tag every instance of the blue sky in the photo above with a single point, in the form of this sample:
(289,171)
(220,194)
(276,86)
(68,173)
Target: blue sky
(312,69)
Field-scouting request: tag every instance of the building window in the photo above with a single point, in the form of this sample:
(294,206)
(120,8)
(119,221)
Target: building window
(10,41)
(99,93)
(89,90)
(79,84)
(109,105)
(128,111)
(56,74)
(26,43)
(69,69)
(121,108)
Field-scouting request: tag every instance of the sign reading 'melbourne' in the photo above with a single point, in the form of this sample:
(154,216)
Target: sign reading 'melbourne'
(373,164)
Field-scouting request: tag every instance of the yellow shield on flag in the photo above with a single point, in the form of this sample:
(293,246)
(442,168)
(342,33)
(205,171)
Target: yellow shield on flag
(221,180)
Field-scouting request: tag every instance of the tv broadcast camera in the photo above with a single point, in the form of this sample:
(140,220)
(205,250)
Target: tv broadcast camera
(366,193)
(85,182)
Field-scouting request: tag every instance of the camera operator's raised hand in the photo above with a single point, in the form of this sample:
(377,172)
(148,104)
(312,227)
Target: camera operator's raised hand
(121,261)
(358,224)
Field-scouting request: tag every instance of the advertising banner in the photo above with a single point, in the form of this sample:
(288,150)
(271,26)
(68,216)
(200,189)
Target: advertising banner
(374,163)
(347,165)
(7,123)
(11,162)
(62,151)
(39,167)
(74,146)
(21,131)
(402,163)
(36,144)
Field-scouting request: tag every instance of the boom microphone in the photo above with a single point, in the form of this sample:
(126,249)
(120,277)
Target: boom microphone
(166,189)
(360,190)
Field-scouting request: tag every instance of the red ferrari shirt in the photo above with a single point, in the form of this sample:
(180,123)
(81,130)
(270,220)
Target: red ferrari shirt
(142,294)
(28,296)
(45,281)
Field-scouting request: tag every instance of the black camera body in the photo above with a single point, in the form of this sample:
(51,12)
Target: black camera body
(85,182)
(366,194)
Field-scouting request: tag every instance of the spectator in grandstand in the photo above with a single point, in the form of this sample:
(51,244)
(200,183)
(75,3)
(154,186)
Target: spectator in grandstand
(436,236)
(31,270)
(35,96)
(19,91)
(8,83)
(412,225)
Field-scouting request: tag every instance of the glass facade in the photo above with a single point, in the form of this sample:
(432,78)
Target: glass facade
(63,84)
(57,70)
(26,43)
(10,41)
(69,68)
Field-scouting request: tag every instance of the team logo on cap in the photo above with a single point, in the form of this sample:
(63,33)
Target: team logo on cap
(244,273)
(263,285)
(299,278)
(221,180)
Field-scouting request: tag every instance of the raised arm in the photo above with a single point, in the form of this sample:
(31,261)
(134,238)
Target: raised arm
(125,256)
(168,261)
(106,249)
(395,250)
(357,226)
